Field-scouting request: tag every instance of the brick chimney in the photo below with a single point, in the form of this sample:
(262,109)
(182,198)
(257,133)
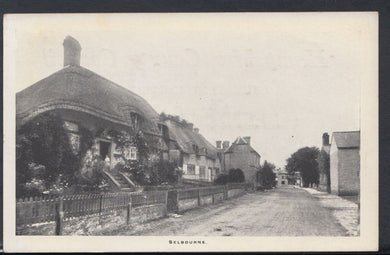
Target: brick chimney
(325,139)
(72,50)
(218,144)
(225,145)
(247,139)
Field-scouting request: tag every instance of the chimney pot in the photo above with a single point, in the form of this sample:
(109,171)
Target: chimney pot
(72,51)
(225,145)
(325,139)
(196,130)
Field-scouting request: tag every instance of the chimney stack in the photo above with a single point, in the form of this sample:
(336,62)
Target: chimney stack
(225,145)
(219,143)
(72,50)
(325,139)
(196,130)
(247,139)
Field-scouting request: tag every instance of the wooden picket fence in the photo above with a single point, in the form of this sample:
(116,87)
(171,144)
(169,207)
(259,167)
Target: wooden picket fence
(45,209)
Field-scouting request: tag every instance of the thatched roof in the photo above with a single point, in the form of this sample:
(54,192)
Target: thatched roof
(80,89)
(186,137)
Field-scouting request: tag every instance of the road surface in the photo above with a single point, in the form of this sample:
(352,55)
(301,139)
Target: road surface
(279,212)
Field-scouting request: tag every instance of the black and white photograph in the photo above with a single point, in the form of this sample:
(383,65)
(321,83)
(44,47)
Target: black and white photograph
(195,131)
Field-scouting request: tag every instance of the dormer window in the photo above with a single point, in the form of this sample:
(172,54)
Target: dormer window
(195,148)
(134,120)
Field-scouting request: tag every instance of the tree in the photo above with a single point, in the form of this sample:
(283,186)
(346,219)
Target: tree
(236,175)
(304,161)
(266,176)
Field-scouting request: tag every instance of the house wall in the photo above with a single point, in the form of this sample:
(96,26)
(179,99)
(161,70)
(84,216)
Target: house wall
(349,171)
(282,178)
(198,161)
(244,159)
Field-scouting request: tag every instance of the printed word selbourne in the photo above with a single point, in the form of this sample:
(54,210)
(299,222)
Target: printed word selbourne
(186,242)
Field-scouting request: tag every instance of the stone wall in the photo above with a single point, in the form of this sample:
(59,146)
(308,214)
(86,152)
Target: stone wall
(186,204)
(91,225)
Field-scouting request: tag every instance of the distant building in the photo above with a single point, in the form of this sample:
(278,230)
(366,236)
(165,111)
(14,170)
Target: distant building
(240,154)
(282,178)
(295,178)
(345,163)
(323,164)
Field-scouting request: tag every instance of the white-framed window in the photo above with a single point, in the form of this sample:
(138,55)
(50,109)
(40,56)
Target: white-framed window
(190,169)
(131,153)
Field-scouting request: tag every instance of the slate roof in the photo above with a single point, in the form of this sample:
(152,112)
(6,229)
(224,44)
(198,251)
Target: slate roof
(348,139)
(77,88)
(240,141)
(185,138)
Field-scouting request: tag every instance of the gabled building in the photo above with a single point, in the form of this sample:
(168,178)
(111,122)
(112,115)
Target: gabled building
(197,157)
(240,154)
(345,163)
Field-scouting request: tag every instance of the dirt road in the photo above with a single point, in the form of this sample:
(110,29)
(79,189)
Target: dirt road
(280,212)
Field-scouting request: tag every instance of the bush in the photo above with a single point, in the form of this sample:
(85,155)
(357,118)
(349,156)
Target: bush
(236,175)
(222,179)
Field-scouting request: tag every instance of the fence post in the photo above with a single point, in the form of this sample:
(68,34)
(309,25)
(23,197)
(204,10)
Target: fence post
(199,197)
(128,212)
(166,203)
(59,217)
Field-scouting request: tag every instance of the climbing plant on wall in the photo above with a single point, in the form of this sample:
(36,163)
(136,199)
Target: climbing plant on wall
(44,156)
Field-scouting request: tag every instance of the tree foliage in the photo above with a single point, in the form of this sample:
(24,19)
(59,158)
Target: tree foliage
(304,161)
(234,176)
(266,176)
(45,160)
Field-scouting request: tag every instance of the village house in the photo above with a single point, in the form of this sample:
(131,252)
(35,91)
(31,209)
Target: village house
(324,176)
(197,157)
(241,155)
(84,98)
(282,178)
(345,163)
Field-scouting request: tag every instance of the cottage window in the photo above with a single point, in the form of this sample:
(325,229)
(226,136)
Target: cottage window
(202,172)
(131,153)
(134,119)
(190,169)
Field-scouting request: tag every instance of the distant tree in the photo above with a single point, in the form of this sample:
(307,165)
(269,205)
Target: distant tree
(305,161)
(236,175)
(266,176)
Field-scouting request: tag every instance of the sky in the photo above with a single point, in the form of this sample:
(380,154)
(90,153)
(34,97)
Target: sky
(282,78)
